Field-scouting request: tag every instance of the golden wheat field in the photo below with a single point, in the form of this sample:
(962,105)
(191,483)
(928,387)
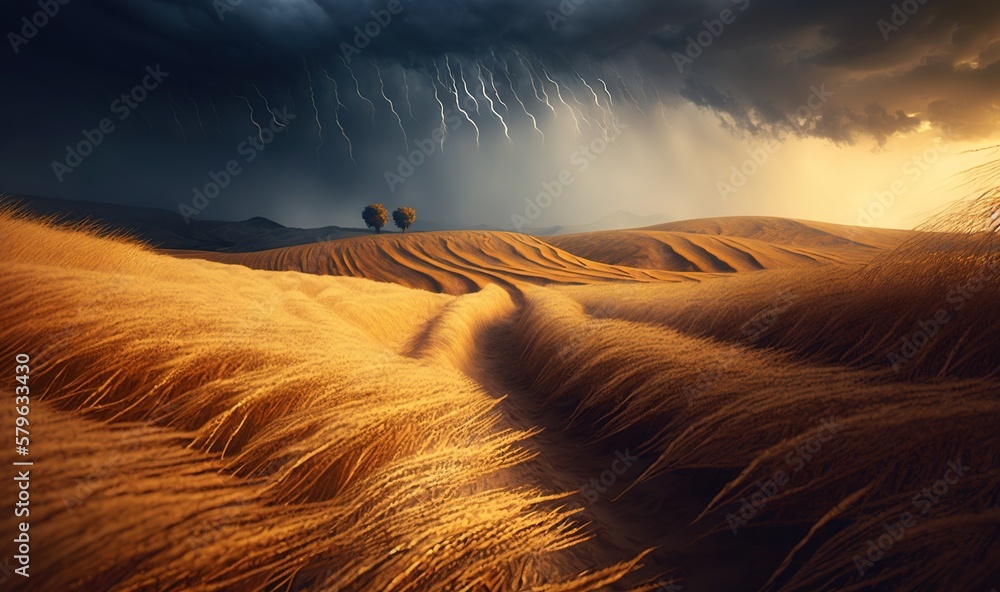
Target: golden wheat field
(733,404)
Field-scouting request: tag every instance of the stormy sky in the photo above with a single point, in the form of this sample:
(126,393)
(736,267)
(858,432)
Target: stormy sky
(306,110)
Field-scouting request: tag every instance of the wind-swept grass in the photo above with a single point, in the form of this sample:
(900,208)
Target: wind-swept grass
(739,375)
(273,410)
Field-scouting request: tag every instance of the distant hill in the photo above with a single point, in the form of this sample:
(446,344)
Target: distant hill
(734,244)
(167,230)
(787,231)
(453,262)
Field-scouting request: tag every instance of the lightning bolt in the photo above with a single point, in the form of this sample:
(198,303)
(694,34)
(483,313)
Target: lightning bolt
(260,131)
(336,114)
(583,116)
(406,141)
(482,83)
(510,82)
(493,85)
(437,71)
(312,97)
(267,105)
(218,121)
(611,101)
(465,85)
(561,100)
(624,85)
(336,93)
(642,81)
(596,101)
(578,107)
(437,97)
(458,102)
(406,93)
(663,108)
(197,113)
(544,97)
(357,87)
(173,110)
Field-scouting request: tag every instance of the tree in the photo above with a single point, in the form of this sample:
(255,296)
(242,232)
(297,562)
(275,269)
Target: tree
(375,216)
(404,217)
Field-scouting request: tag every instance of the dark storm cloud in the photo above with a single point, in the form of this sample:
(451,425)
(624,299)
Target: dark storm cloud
(218,36)
(762,62)
(888,71)
(892,64)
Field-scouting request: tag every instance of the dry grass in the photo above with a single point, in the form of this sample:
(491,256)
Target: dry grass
(736,374)
(845,315)
(352,464)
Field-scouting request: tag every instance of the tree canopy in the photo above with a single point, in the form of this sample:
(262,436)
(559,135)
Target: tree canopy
(404,218)
(375,216)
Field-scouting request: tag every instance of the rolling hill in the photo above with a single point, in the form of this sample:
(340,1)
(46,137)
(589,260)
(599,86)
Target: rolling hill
(449,262)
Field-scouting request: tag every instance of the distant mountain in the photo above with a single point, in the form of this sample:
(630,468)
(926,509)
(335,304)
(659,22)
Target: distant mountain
(167,230)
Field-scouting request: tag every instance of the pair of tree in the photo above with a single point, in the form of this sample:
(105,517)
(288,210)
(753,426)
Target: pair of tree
(376,216)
